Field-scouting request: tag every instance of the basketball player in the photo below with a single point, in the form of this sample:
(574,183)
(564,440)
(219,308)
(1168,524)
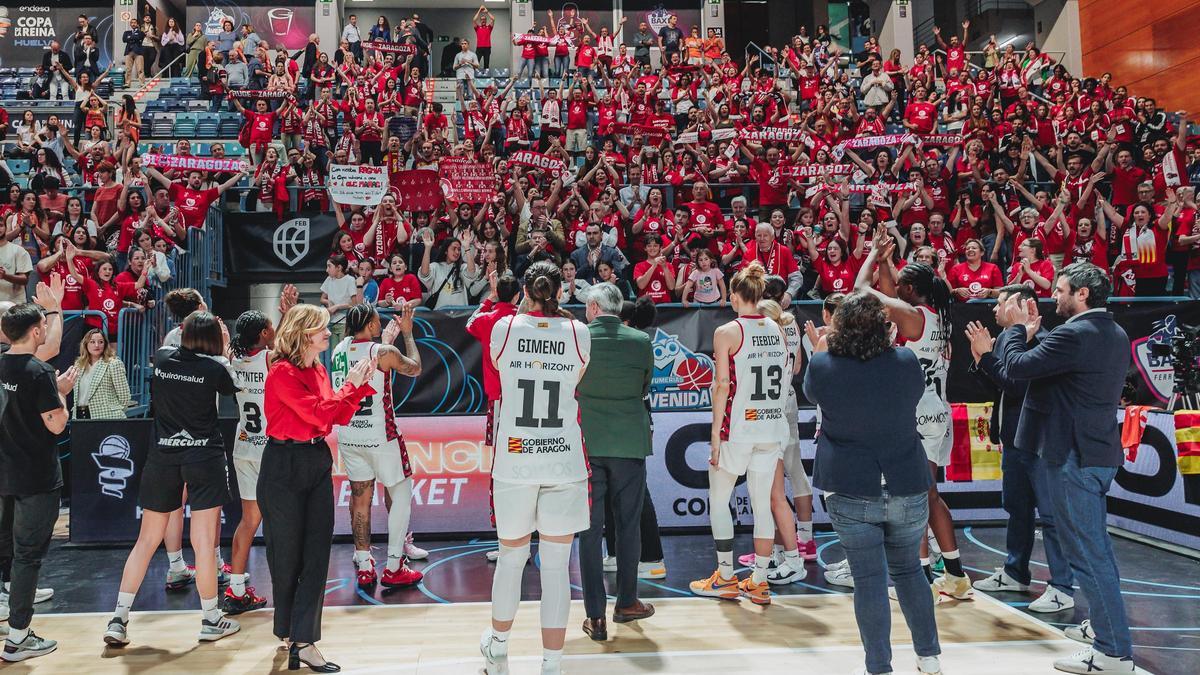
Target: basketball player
(918,303)
(371,447)
(497,305)
(250,352)
(540,473)
(748,402)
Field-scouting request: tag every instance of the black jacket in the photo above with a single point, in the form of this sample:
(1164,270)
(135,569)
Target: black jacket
(1076,375)
(63,58)
(1006,413)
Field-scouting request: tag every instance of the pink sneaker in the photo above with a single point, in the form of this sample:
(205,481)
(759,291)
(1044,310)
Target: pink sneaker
(808,551)
(746,560)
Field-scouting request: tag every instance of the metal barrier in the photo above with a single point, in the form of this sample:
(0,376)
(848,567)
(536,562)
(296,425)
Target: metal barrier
(135,348)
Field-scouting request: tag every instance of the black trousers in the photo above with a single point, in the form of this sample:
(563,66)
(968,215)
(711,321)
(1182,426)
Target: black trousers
(372,152)
(651,541)
(485,56)
(624,480)
(27,524)
(295,494)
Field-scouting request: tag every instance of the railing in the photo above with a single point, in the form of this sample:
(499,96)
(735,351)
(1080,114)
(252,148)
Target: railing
(135,348)
(765,60)
(114,105)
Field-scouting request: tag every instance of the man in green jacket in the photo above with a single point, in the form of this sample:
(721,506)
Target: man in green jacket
(616,430)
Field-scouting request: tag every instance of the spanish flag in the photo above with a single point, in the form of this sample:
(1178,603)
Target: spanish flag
(751,414)
(1187,441)
(973,456)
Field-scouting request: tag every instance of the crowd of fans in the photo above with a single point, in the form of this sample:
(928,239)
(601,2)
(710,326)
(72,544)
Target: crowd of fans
(663,165)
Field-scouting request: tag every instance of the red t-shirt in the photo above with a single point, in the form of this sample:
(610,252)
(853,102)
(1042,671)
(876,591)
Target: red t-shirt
(483,36)
(1124,184)
(480,327)
(107,299)
(577,114)
(1043,268)
(262,126)
(73,291)
(975,281)
(408,288)
(657,289)
(837,278)
(772,186)
(193,204)
(922,115)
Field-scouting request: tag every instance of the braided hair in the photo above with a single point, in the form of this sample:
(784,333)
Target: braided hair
(543,280)
(932,290)
(249,327)
(358,317)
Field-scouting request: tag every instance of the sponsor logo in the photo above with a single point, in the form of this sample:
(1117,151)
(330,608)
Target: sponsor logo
(515,444)
(751,414)
(290,242)
(1158,372)
(182,440)
(682,378)
(112,459)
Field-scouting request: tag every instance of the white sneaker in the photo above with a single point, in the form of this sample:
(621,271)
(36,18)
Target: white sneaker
(39,595)
(839,576)
(1000,582)
(784,574)
(652,570)
(31,647)
(949,586)
(610,563)
(844,562)
(495,653)
(1091,661)
(492,556)
(211,631)
(552,667)
(412,551)
(1053,600)
(3,610)
(1081,633)
(117,633)
(929,665)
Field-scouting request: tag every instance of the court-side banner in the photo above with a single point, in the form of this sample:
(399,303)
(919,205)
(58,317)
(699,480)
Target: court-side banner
(683,367)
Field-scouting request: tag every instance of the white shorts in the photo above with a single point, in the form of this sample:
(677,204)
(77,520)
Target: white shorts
(793,467)
(933,424)
(552,510)
(738,458)
(385,467)
(246,471)
(576,140)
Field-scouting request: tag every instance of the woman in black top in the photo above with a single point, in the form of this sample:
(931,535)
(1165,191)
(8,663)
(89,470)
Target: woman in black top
(189,453)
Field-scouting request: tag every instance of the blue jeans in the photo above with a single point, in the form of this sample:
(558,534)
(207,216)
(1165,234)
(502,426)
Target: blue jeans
(526,66)
(1194,284)
(881,537)
(1025,486)
(562,64)
(1078,494)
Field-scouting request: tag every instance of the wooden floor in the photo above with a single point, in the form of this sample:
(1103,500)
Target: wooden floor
(812,633)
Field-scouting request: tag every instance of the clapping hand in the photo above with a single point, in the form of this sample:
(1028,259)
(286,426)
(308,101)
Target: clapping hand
(288,298)
(1023,314)
(362,372)
(981,340)
(49,296)
(816,336)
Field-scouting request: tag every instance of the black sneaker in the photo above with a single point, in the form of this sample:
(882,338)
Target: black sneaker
(117,633)
(31,647)
(237,604)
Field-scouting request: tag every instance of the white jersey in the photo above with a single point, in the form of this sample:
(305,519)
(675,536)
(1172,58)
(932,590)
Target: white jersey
(931,350)
(538,437)
(373,428)
(794,341)
(250,374)
(758,374)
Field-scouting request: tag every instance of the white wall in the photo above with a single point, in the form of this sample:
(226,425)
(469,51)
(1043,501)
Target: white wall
(1059,21)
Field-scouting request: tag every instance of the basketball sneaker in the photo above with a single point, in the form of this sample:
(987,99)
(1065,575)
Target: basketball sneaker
(412,551)
(808,549)
(652,570)
(40,595)
(31,647)
(117,633)
(716,587)
(367,578)
(492,555)
(784,574)
(1000,582)
(950,586)
(495,653)
(759,594)
(1053,600)
(238,604)
(4,609)
(177,581)
(1091,661)
(838,574)
(929,665)
(1081,633)
(402,577)
(211,631)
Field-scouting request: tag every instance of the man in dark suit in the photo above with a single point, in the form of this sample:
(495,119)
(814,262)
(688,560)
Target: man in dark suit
(616,428)
(51,60)
(1076,374)
(1025,484)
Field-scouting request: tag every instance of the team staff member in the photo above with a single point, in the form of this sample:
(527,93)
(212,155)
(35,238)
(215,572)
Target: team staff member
(30,474)
(616,425)
(295,483)
(189,453)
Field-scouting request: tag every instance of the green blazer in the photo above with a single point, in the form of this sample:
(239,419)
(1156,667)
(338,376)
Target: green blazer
(612,392)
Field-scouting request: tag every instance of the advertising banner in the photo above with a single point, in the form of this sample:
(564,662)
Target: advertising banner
(286,23)
(28,28)
(278,250)
(357,184)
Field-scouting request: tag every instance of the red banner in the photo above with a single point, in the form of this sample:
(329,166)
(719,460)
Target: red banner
(466,181)
(389,47)
(811,170)
(189,163)
(417,190)
(786,134)
(652,134)
(536,159)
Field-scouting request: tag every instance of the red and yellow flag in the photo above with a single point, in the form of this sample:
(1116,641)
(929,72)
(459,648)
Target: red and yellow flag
(973,455)
(1187,441)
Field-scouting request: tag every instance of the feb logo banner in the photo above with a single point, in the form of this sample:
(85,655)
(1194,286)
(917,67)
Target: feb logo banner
(682,378)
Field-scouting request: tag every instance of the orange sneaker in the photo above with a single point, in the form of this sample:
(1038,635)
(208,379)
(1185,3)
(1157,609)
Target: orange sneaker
(759,594)
(716,587)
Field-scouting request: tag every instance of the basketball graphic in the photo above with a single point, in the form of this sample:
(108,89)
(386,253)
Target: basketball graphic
(693,374)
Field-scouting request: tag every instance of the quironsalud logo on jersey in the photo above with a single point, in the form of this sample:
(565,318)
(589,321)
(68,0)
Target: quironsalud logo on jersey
(681,378)
(1157,370)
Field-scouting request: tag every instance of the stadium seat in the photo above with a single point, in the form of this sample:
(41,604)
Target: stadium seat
(208,125)
(18,166)
(185,125)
